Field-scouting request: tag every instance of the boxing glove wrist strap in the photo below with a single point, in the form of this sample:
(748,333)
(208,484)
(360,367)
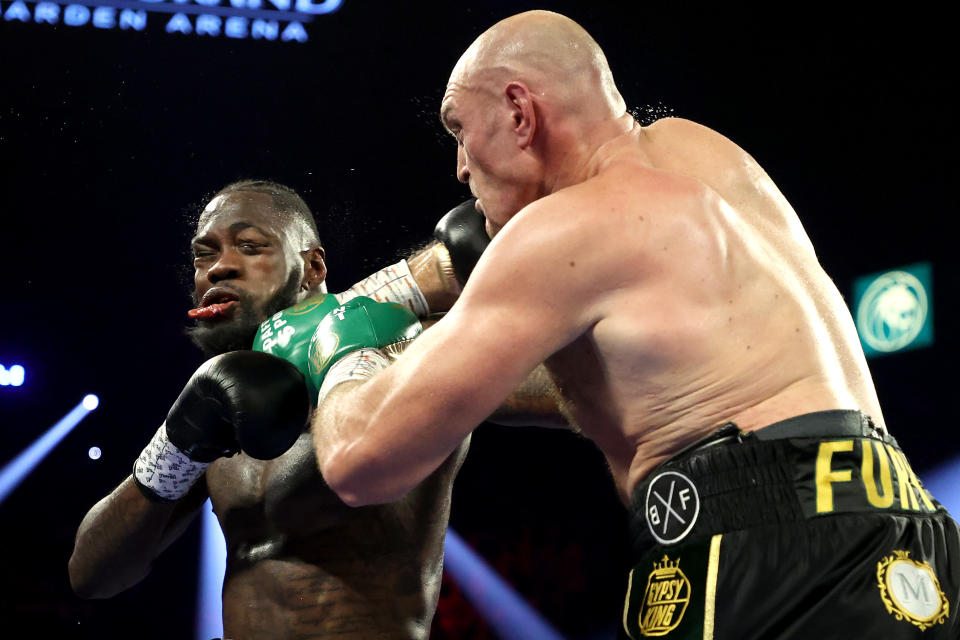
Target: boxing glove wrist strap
(391,284)
(163,472)
(361,364)
(448,274)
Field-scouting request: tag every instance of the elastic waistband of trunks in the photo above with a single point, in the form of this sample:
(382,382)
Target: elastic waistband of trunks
(813,465)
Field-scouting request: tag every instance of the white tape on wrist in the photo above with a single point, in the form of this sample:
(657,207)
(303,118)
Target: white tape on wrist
(391,284)
(165,470)
(361,364)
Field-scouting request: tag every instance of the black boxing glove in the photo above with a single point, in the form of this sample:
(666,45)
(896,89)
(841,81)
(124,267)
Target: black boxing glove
(463,232)
(242,400)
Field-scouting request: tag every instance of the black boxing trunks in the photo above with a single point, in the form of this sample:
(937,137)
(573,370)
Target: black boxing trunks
(815,528)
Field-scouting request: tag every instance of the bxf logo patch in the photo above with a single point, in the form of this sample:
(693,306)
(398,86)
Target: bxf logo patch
(672,506)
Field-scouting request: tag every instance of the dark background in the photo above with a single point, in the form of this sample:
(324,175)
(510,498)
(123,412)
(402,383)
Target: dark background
(110,141)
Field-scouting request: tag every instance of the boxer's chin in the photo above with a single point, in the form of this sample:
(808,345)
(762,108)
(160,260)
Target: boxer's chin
(221,335)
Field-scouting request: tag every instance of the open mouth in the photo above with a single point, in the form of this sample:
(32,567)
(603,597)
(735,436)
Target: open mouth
(217,302)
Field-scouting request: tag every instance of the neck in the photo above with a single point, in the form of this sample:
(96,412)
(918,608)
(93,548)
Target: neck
(587,150)
(312,291)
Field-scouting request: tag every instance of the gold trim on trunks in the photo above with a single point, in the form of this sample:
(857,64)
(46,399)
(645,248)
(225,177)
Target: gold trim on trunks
(710,595)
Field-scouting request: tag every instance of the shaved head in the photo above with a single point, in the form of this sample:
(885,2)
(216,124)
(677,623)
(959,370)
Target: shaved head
(546,51)
(529,103)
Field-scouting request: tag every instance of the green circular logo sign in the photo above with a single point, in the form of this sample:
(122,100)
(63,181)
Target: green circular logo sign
(892,311)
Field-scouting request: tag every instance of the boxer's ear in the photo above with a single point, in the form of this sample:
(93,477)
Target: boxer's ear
(314,268)
(524,116)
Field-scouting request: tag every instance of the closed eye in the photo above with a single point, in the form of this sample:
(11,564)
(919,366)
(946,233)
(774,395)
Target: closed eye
(200,251)
(251,247)
(457,134)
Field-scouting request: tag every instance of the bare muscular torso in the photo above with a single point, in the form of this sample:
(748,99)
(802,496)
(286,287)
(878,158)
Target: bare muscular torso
(301,564)
(721,311)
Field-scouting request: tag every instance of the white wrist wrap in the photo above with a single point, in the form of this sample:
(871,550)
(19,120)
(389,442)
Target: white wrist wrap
(391,284)
(165,470)
(361,364)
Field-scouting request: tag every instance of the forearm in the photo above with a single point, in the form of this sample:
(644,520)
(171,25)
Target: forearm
(329,432)
(122,534)
(375,440)
(358,464)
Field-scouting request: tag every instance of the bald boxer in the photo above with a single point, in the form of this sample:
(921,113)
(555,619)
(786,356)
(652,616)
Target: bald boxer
(300,563)
(681,310)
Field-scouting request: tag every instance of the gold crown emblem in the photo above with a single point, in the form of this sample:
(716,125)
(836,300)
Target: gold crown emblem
(666,564)
(664,601)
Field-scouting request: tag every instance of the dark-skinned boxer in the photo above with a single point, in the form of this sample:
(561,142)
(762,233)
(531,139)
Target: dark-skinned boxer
(300,562)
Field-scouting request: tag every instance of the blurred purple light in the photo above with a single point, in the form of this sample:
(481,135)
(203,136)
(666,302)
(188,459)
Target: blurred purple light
(213,566)
(944,483)
(495,601)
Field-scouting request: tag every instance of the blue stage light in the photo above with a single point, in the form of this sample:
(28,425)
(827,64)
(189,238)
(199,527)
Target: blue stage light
(12,377)
(944,483)
(21,466)
(94,453)
(213,565)
(502,608)
(90,402)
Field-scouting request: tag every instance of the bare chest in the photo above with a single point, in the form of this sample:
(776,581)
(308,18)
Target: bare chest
(264,498)
(589,400)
